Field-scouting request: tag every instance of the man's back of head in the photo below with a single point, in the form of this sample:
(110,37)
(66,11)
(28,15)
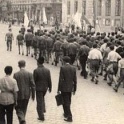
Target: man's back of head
(21,63)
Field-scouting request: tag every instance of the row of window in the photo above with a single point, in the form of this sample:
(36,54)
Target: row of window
(69,7)
(108,5)
(110,22)
(100,4)
(30,1)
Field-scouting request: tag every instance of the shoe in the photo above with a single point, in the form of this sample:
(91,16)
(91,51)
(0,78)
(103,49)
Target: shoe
(65,116)
(92,79)
(22,53)
(22,122)
(78,67)
(115,89)
(100,73)
(41,119)
(85,77)
(96,81)
(105,79)
(109,84)
(52,63)
(68,119)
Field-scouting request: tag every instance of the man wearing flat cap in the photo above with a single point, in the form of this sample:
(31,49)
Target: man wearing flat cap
(26,87)
(67,85)
(42,78)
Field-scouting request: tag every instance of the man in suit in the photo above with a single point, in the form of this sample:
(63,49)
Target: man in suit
(67,85)
(42,78)
(26,87)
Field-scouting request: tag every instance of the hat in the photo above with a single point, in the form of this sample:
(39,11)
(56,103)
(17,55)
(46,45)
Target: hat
(66,59)
(40,60)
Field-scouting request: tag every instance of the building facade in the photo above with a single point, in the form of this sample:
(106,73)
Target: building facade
(34,9)
(109,14)
(105,14)
(71,7)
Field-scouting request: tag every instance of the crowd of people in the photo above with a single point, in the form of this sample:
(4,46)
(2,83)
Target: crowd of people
(94,53)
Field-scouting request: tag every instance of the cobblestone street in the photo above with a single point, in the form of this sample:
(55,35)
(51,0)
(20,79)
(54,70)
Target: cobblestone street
(92,104)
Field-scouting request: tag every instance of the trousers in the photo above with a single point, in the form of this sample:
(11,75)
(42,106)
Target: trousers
(67,103)
(83,60)
(21,109)
(8,111)
(9,45)
(40,103)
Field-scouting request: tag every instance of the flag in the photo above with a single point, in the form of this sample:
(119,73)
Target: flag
(77,19)
(44,16)
(26,20)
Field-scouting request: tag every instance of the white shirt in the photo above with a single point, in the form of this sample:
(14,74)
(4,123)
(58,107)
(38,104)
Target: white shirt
(103,47)
(113,56)
(121,63)
(95,54)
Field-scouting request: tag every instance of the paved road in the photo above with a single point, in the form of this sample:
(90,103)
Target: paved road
(92,104)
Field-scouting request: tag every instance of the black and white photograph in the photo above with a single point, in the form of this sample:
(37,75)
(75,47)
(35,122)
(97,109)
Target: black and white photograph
(61,61)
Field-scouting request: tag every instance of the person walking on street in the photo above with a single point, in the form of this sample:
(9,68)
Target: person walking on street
(23,30)
(67,84)
(95,58)
(26,88)
(49,46)
(42,78)
(35,43)
(8,96)
(8,38)
(83,55)
(120,73)
(20,42)
(58,51)
(28,41)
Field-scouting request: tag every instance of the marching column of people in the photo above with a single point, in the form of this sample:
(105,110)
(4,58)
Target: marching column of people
(96,54)
(93,53)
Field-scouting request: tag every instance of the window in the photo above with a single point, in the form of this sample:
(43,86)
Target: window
(118,7)
(108,7)
(75,6)
(107,22)
(84,7)
(99,8)
(68,7)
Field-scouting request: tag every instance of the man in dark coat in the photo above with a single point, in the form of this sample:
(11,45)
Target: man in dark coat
(83,55)
(28,41)
(20,41)
(23,29)
(49,46)
(26,87)
(42,45)
(35,43)
(72,51)
(67,85)
(42,78)
(57,49)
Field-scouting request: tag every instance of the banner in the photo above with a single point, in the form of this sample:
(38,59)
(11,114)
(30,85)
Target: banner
(77,19)
(44,16)
(26,20)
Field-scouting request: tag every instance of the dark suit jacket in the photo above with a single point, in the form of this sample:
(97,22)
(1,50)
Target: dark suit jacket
(67,79)
(42,78)
(25,84)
